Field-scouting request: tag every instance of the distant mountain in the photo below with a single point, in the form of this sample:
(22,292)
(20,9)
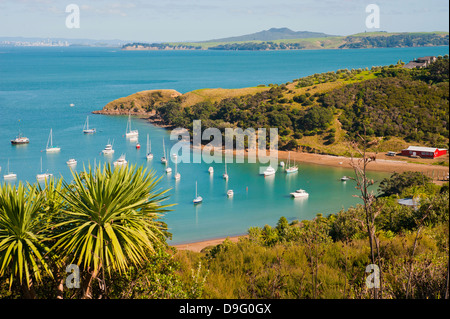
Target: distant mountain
(274,34)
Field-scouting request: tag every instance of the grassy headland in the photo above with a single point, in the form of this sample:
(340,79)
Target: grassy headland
(320,113)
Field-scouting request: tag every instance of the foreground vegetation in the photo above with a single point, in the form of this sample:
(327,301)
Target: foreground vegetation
(327,257)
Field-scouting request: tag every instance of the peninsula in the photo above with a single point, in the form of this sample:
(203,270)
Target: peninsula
(321,114)
(286,39)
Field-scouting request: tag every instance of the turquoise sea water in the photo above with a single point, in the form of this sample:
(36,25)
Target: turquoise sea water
(37,86)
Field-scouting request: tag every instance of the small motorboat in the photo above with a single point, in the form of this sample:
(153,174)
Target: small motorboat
(345,178)
(108,149)
(299,193)
(71,162)
(230,193)
(121,161)
(269,171)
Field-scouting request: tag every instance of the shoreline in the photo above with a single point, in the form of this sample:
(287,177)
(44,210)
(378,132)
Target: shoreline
(383,163)
(198,246)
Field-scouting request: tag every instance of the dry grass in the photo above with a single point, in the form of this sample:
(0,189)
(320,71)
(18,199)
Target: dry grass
(217,95)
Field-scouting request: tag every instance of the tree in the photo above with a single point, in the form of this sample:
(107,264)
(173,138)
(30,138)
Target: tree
(397,183)
(22,252)
(110,222)
(371,211)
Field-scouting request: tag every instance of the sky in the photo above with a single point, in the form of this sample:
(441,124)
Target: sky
(198,20)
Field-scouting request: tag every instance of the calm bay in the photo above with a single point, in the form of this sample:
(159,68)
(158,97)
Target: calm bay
(38,86)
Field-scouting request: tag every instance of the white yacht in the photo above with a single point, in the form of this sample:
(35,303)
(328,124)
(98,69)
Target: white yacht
(300,193)
(225,174)
(131,133)
(50,148)
(211,170)
(108,150)
(291,169)
(71,162)
(177,175)
(86,129)
(43,176)
(345,178)
(9,175)
(164,159)
(198,199)
(121,161)
(269,171)
(149,155)
(230,193)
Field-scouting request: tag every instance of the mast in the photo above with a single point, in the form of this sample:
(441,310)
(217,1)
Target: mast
(164,149)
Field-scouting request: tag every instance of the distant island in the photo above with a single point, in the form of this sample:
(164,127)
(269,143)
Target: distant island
(286,39)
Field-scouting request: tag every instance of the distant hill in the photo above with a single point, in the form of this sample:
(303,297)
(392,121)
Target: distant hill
(274,34)
(286,39)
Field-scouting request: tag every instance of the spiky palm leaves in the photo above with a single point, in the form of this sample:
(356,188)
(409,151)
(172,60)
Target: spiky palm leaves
(22,251)
(104,220)
(110,219)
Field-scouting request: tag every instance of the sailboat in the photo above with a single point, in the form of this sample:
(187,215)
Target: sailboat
(177,175)
(149,150)
(225,175)
(10,175)
(131,133)
(86,129)
(43,176)
(50,148)
(291,169)
(164,159)
(197,199)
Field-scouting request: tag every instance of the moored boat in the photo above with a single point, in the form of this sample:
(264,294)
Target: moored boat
(299,193)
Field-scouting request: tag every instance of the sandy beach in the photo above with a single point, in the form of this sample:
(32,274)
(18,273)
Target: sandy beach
(198,246)
(382,163)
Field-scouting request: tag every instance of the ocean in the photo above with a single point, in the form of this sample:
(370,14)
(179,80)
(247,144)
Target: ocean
(38,85)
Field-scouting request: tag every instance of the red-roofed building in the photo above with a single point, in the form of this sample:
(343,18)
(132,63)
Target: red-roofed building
(424,152)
